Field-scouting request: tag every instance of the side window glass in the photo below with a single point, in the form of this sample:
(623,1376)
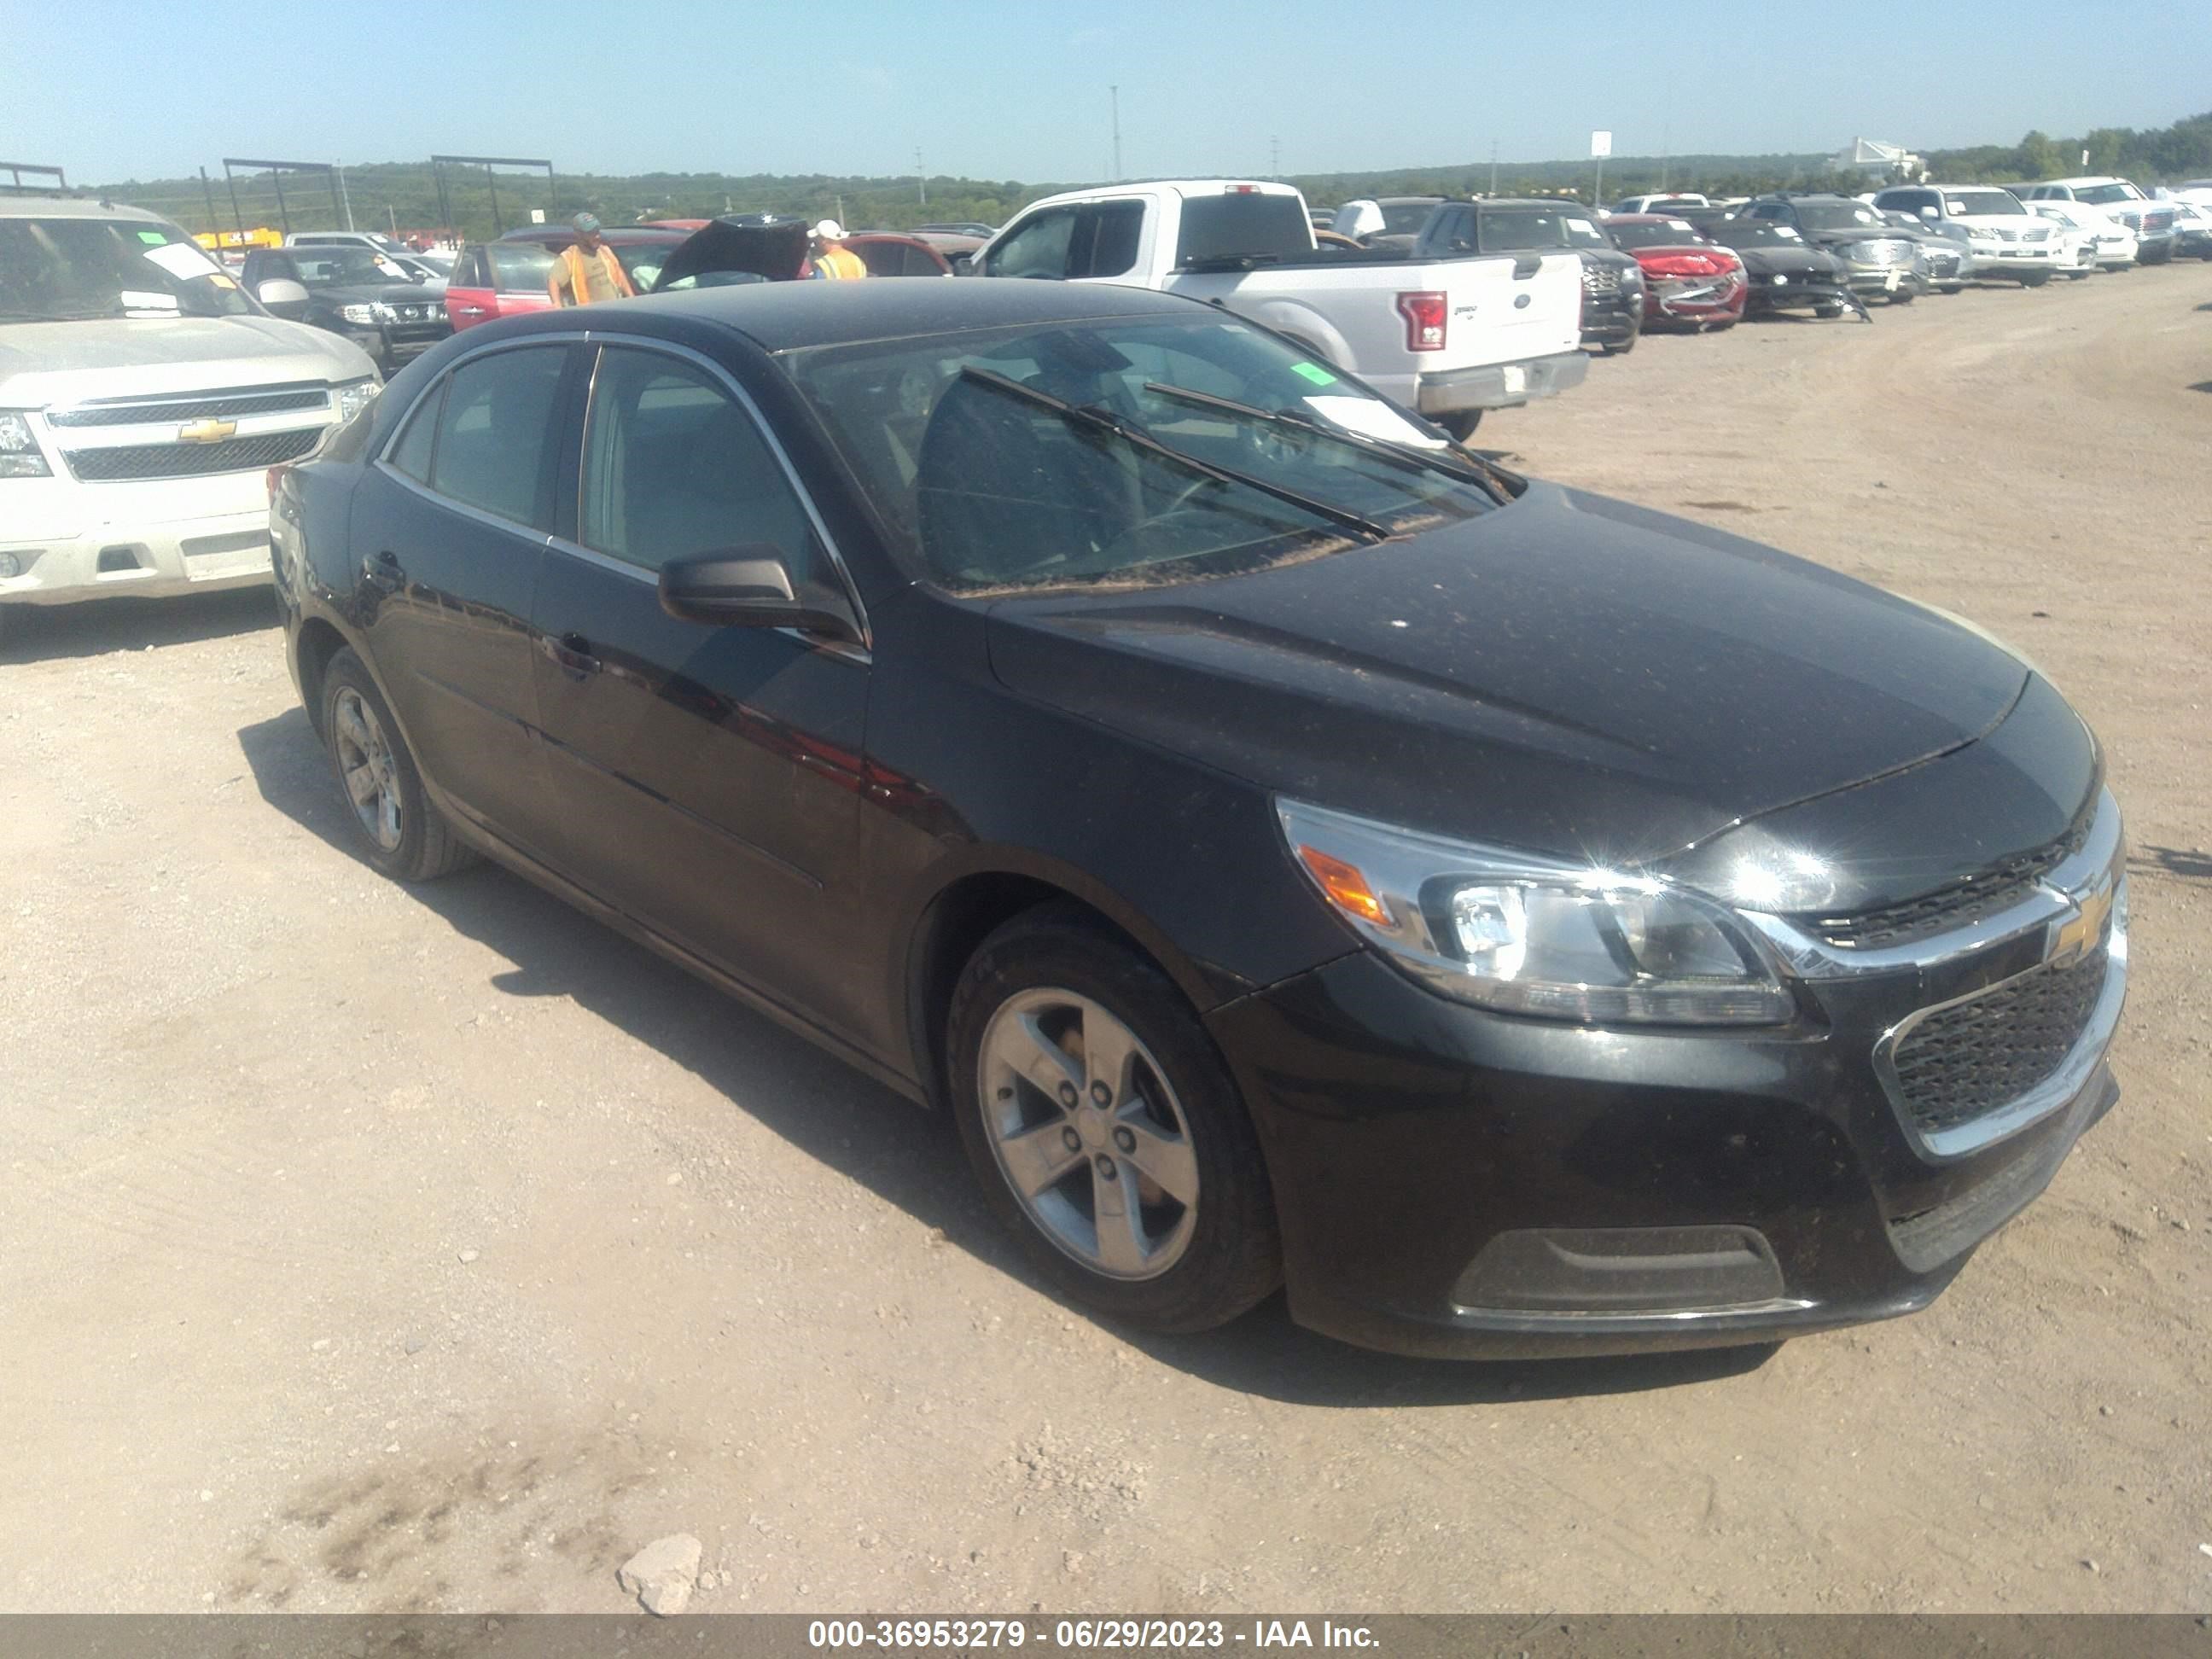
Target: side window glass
(1038,248)
(1115,229)
(495,434)
(411,455)
(674,467)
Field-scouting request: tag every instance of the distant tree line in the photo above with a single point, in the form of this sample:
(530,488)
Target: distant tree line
(406,193)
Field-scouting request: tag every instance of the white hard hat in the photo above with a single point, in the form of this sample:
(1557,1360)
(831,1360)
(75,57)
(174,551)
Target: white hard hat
(830,231)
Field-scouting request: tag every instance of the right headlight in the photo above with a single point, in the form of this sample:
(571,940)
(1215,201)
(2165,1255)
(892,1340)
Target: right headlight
(20,456)
(361,316)
(1527,935)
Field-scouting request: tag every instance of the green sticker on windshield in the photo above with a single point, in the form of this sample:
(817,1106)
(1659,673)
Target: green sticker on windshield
(1315,373)
(153,236)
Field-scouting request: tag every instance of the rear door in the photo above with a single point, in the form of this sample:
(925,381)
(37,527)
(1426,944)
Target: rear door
(451,526)
(709,776)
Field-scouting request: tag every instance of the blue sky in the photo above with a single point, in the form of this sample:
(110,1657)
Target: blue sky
(996,90)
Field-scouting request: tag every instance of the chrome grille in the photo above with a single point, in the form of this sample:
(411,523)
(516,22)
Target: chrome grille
(1970,1059)
(1601,279)
(194,406)
(1959,905)
(137,461)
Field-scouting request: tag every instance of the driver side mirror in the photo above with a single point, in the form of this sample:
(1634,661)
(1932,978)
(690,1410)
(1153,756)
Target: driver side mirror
(749,587)
(1928,213)
(283,297)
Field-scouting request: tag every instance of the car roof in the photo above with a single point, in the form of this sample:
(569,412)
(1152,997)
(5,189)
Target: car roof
(1530,201)
(31,204)
(1645,219)
(792,316)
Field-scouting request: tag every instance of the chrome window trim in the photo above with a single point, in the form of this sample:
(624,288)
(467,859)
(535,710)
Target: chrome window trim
(761,423)
(524,532)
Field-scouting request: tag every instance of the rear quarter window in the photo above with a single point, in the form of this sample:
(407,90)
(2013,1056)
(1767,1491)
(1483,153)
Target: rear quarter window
(1243,225)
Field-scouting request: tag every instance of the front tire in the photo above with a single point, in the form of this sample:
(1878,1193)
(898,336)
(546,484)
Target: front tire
(405,836)
(2033,278)
(1460,424)
(1105,1129)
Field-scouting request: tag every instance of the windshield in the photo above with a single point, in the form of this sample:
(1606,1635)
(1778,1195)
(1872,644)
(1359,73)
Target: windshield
(79,269)
(1406,218)
(345,267)
(2099,194)
(980,488)
(1668,233)
(1978,202)
(1836,216)
(1511,230)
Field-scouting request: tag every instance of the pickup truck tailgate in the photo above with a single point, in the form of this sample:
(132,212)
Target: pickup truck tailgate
(1507,309)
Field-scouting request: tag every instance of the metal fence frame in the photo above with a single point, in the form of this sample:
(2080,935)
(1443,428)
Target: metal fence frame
(439,163)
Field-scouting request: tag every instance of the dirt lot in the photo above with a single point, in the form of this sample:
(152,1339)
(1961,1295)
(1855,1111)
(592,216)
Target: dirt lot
(371,1249)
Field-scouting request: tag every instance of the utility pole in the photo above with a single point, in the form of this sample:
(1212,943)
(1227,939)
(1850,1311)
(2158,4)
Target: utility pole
(1493,166)
(1666,156)
(1115,92)
(1274,158)
(345,195)
(920,178)
(393,214)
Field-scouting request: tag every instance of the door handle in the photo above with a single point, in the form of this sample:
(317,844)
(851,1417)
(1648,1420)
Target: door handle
(469,310)
(383,572)
(573,652)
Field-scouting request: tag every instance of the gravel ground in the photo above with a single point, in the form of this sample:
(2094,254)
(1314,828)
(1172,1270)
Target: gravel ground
(370,1248)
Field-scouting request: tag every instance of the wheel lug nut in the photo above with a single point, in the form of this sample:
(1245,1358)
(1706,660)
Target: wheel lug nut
(1101,1094)
(1125,1140)
(1067,1095)
(1106,1170)
(1071,1141)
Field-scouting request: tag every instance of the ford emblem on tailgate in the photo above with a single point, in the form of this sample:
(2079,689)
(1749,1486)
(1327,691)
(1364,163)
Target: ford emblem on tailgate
(208,431)
(1520,302)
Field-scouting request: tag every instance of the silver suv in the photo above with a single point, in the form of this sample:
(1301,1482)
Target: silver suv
(143,397)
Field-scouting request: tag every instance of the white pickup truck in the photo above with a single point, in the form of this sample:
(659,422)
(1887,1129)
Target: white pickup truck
(1448,337)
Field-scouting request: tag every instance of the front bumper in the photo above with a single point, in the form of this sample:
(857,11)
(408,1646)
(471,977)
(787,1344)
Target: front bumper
(1500,385)
(2012,258)
(1452,1181)
(1612,318)
(155,538)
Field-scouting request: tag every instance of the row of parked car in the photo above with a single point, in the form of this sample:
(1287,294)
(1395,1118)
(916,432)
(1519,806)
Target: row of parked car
(1688,261)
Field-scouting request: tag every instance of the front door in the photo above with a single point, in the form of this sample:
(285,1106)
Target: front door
(452,526)
(708,776)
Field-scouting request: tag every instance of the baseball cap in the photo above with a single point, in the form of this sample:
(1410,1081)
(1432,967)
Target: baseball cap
(585,223)
(831,231)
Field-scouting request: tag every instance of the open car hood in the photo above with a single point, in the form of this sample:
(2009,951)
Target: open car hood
(775,251)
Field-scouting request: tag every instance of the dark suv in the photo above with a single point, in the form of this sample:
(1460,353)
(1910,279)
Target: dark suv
(356,292)
(1613,282)
(1881,259)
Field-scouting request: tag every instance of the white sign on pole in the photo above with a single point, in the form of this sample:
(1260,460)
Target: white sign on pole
(537,216)
(1601,144)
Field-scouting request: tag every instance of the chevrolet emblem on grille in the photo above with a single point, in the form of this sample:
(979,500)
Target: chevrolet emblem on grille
(208,431)
(2075,936)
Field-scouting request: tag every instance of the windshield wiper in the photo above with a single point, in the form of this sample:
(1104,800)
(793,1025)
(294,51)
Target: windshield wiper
(1407,455)
(1137,437)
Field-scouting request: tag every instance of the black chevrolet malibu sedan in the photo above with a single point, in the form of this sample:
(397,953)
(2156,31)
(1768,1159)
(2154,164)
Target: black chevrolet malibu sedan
(1516,921)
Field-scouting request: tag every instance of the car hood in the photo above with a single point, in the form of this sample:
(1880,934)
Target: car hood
(1571,675)
(775,251)
(1788,261)
(44,363)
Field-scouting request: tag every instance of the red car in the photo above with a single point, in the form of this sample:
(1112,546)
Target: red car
(508,277)
(1687,280)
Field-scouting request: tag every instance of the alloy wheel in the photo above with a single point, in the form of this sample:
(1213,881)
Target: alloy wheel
(365,763)
(1088,1133)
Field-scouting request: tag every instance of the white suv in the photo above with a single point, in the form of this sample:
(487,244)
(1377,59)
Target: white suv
(2112,244)
(2151,222)
(2005,239)
(143,397)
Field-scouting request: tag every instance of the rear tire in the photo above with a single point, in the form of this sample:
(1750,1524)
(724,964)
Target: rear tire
(1053,1008)
(2033,278)
(403,835)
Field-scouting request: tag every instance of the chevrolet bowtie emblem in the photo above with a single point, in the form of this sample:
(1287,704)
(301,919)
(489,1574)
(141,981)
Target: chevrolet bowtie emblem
(2079,934)
(209,431)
